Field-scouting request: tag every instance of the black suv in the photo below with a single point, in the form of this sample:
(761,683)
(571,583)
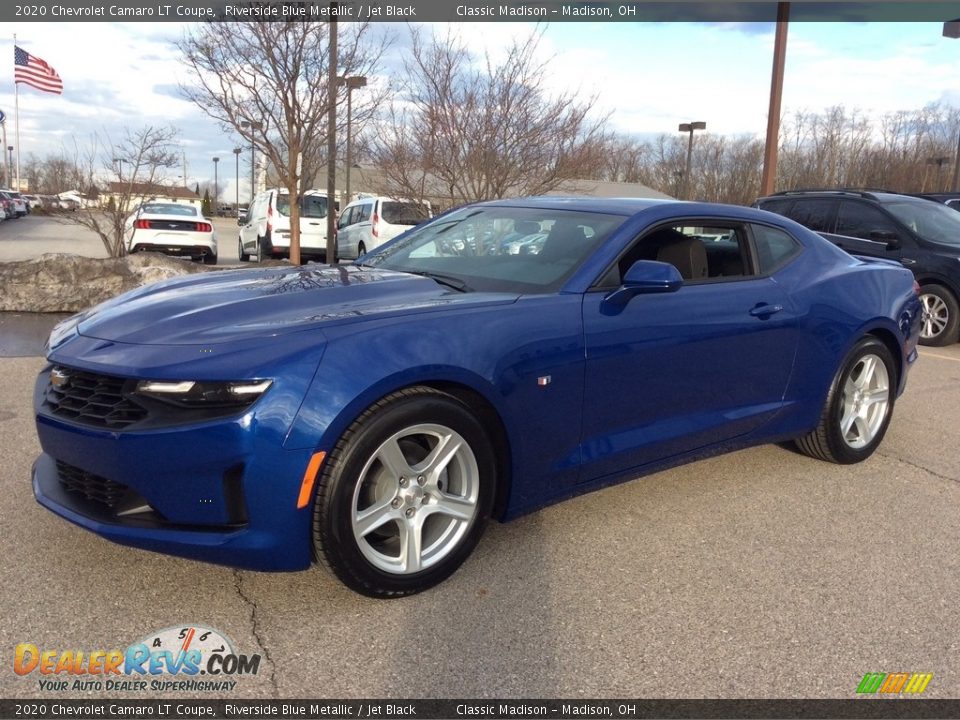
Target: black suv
(924,236)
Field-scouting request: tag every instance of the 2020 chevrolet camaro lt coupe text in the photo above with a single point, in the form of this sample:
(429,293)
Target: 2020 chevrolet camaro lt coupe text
(372,416)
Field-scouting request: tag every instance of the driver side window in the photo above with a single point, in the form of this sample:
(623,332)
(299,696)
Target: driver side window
(700,250)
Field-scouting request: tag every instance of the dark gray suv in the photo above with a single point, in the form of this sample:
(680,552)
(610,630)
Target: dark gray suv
(922,235)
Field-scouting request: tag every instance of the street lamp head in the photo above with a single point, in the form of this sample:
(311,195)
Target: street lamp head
(691,126)
(237,151)
(216,159)
(353,82)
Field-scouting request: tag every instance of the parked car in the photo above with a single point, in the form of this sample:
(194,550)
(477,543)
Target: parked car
(950,199)
(172,229)
(6,205)
(32,202)
(369,222)
(373,415)
(17,204)
(265,228)
(921,235)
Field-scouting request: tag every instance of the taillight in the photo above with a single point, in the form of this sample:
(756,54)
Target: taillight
(142,224)
(204,227)
(916,288)
(269,218)
(374,225)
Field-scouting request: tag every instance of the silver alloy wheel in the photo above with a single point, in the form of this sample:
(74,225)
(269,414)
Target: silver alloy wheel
(416,498)
(936,315)
(866,401)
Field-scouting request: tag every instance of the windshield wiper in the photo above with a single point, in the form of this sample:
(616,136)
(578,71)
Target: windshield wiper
(447,280)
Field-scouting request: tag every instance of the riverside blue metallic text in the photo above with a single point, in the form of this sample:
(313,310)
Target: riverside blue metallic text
(493,360)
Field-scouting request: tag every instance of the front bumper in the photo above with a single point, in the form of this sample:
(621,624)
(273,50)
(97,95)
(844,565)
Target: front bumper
(218,492)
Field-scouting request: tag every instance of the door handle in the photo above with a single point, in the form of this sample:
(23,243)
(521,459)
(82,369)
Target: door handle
(907,261)
(764,310)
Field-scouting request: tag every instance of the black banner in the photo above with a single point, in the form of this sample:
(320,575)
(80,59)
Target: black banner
(470,11)
(480,709)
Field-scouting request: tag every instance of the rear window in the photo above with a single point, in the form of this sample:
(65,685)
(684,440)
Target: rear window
(169,209)
(311,206)
(404,213)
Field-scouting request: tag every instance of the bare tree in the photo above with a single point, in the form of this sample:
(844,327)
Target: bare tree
(476,131)
(267,82)
(145,153)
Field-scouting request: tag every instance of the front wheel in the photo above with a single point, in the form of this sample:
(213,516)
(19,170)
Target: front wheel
(858,407)
(404,495)
(941,316)
(244,257)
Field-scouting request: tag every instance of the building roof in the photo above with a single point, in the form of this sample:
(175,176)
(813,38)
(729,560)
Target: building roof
(171,191)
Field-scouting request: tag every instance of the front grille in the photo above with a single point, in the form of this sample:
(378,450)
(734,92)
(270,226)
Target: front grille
(93,487)
(91,399)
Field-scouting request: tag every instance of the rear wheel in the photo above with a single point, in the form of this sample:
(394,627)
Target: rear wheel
(244,257)
(361,249)
(858,407)
(210,259)
(404,496)
(941,316)
(261,251)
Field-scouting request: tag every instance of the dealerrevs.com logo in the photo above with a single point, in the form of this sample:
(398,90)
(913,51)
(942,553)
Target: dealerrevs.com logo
(184,658)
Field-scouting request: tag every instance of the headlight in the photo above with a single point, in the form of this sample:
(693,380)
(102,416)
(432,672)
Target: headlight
(63,331)
(196,394)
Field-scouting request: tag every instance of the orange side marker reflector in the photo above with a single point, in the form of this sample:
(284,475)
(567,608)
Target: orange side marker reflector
(309,477)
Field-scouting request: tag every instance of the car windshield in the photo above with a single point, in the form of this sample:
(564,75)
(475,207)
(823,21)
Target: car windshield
(311,206)
(404,213)
(930,220)
(168,209)
(499,249)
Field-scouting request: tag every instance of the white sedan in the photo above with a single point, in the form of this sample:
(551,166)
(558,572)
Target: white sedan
(173,229)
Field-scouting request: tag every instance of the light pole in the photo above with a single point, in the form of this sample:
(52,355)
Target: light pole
(951,29)
(353,82)
(253,165)
(216,186)
(236,155)
(10,150)
(689,128)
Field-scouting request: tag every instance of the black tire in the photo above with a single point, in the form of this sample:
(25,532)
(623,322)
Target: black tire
(354,475)
(829,441)
(261,250)
(210,259)
(361,249)
(244,257)
(941,316)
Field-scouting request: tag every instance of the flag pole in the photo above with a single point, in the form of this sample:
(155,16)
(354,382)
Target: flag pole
(16,118)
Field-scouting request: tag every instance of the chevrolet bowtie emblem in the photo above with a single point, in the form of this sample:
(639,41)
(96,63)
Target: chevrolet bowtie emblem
(58,378)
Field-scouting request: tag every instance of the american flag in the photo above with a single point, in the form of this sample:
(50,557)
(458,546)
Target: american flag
(33,71)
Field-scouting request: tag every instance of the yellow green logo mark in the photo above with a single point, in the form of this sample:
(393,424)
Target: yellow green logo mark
(894,683)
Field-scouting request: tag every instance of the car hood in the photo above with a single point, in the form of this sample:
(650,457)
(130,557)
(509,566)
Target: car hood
(227,306)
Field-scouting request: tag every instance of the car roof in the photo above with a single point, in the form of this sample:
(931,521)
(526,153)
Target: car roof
(609,206)
(881,196)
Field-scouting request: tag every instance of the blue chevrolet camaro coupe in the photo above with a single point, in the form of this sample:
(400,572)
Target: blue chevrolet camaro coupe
(498,358)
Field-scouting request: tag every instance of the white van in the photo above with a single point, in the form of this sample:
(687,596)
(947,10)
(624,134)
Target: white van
(369,222)
(265,227)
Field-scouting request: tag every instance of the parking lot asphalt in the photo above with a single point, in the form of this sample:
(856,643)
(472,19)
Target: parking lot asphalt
(757,574)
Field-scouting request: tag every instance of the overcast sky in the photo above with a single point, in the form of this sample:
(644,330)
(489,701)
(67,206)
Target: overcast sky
(648,76)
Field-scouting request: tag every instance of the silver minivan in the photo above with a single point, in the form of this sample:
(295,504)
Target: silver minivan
(265,227)
(371,221)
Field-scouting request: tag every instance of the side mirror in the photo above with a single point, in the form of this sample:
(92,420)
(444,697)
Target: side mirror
(241,220)
(645,277)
